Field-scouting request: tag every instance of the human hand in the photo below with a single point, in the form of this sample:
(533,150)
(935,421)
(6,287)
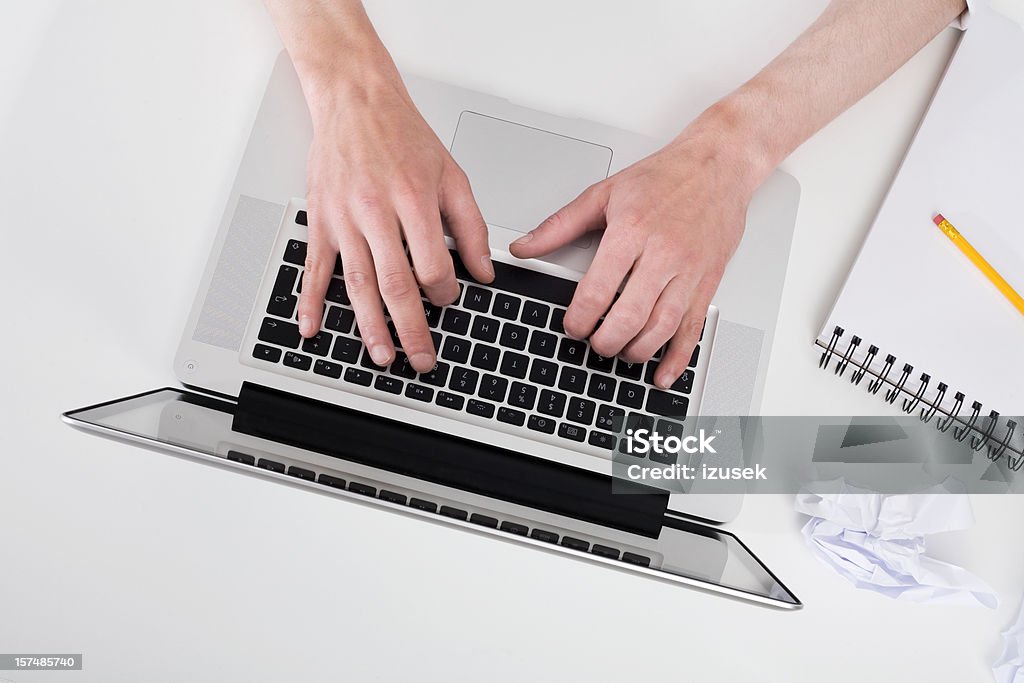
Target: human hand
(377,173)
(672,221)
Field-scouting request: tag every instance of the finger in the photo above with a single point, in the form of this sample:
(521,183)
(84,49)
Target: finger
(663,322)
(361,285)
(467,227)
(581,215)
(320,255)
(632,310)
(677,357)
(401,294)
(432,263)
(598,286)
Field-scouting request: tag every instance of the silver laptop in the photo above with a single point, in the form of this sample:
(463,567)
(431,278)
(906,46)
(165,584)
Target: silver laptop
(539,413)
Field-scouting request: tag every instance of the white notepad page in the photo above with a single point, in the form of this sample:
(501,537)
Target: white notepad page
(912,293)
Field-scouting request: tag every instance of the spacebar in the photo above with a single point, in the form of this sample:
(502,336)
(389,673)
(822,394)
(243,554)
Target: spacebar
(523,281)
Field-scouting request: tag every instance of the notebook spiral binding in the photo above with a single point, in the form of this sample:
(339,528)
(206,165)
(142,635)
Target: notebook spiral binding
(920,394)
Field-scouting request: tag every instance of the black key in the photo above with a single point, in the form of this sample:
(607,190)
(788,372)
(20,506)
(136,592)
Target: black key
(485,357)
(401,367)
(506,306)
(513,528)
(664,403)
(357,376)
(573,380)
(571,351)
(302,473)
(551,403)
(601,387)
(633,558)
(543,372)
(546,536)
(522,396)
(421,504)
(610,418)
(601,440)
(513,336)
(605,551)
(419,392)
(446,400)
(319,344)
(243,458)
(629,370)
(295,252)
(340,319)
(392,497)
(630,395)
(436,338)
(455,349)
(568,431)
(282,305)
(267,353)
(280,333)
(432,312)
(477,299)
(346,349)
(483,520)
(493,388)
(301,218)
(463,380)
(480,408)
(367,361)
(581,410)
(522,281)
(393,331)
(510,416)
(542,424)
(336,292)
(557,315)
(437,376)
(455,321)
(454,513)
(328,480)
(575,543)
(327,369)
(391,385)
(298,361)
(362,489)
(599,363)
(514,364)
(271,465)
(535,314)
(484,328)
(663,456)
(668,428)
(694,356)
(684,384)
(543,344)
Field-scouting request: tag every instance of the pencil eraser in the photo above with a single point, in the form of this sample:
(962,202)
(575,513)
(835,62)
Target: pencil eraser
(938,219)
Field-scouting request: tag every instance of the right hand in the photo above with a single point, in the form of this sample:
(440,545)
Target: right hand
(377,173)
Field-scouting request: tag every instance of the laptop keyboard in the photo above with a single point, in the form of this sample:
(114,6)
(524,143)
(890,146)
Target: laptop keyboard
(502,357)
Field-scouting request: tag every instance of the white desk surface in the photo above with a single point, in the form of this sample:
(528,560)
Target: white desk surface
(121,124)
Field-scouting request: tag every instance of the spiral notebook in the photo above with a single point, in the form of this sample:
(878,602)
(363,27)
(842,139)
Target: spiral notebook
(917,323)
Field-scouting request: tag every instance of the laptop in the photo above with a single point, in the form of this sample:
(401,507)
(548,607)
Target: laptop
(518,431)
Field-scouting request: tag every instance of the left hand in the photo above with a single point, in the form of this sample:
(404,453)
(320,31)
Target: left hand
(672,221)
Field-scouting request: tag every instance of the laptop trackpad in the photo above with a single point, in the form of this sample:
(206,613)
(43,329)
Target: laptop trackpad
(521,175)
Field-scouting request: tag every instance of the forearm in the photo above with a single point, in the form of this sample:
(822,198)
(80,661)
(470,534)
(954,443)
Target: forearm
(846,53)
(334,47)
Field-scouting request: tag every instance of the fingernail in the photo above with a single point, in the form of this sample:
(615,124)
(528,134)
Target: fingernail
(664,383)
(422,360)
(306,325)
(524,239)
(485,263)
(380,354)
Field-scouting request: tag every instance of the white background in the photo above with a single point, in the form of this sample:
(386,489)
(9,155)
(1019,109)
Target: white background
(121,124)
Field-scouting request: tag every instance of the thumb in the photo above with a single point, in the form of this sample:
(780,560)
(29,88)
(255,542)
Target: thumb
(580,216)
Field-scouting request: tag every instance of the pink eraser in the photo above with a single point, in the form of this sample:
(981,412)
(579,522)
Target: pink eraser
(938,219)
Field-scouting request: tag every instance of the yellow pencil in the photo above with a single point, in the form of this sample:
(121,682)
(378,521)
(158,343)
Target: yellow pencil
(977,259)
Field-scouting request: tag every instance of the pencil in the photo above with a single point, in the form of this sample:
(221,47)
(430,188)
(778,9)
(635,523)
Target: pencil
(978,260)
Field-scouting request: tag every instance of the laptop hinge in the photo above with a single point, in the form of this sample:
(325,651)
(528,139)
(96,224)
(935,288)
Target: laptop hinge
(448,460)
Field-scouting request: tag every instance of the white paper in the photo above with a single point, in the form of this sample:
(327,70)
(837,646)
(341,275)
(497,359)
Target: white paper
(1009,668)
(877,541)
